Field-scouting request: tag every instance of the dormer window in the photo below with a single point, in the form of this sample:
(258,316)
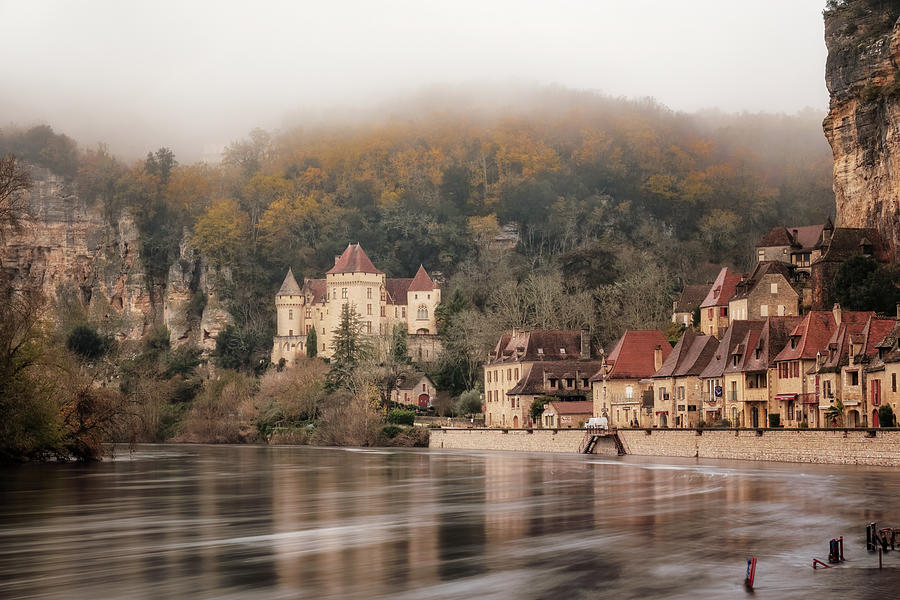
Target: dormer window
(562,350)
(541,351)
(757,353)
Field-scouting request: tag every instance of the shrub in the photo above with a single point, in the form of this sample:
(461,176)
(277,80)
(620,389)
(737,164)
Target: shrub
(401,417)
(391,431)
(774,420)
(722,423)
(87,343)
(886,416)
(469,402)
(804,424)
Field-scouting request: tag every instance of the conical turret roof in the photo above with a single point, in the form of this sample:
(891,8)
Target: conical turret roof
(421,282)
(289,287)
(354,260)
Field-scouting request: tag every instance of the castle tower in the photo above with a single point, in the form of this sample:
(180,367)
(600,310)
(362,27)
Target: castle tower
(422,298)
(290,339)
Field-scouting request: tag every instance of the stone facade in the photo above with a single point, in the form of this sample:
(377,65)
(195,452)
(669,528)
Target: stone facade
(380,303)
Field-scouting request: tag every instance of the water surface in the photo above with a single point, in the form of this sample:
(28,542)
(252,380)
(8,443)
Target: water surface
(295,522)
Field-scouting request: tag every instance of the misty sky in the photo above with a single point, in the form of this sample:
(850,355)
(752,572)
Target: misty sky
(192,75)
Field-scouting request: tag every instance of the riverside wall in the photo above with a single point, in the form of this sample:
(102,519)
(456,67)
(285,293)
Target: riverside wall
(879,447)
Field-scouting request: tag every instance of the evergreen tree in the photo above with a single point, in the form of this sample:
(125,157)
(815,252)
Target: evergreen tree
(312,344)
(399,346)
(349,346)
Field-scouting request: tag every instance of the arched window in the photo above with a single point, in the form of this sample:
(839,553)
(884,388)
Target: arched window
(423,312)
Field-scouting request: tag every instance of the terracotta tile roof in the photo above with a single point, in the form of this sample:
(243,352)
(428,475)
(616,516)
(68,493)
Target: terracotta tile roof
(734,335)
(633,356)
(354,260)
(572,408)
(806,237)
(722,289)
(771,340)
(532,381)
(289,287)
(540,346)
(689,356)
(396,288)
(317,289)
(744,349)
(421,282)
(691,297)
(813,333)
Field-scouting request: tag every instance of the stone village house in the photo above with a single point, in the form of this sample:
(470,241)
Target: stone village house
(526,365)
(566,415)
(624,376)
(714,316)
(677,390)
(417,389)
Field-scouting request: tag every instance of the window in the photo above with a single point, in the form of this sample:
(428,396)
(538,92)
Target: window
(290,314)
(423,387)
(309,313)
(403,312)
(343,292)
(290,333)
(308,327)
(764,310)
(826,388)
(732,393)
(781,310)
(723,312)
(383,311)
(368,326)
(629,392)
(517,373)
(396,312)
(368,293)
(422,313)
(552,384)
(893,382)
(854,377)
(876,392)
(709,313)
(774,288)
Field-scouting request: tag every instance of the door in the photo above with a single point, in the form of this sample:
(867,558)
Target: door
(875,419)
(754,417)
(663,421)
(515,422)
(423,400)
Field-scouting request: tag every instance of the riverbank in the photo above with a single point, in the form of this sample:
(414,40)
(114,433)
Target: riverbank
(877,447)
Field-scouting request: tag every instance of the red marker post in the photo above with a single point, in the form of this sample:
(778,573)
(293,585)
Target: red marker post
(751,572)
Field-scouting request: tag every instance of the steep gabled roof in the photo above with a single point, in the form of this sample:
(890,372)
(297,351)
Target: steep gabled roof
(763,268)
(317,289)
(689,356)
(722,289)
(734,335)
(412,381)
(691,297)
(544,345)
(805,237)
(814,332)
(354,260)
(633,356)
(847,242)
(771,340)
(532,381)
(744,350)
(421,282)
(396,289)
(289,287)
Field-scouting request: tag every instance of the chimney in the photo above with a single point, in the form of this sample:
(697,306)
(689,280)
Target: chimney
(657,358)
(837,312)
(796,234)
(336,259)
(820,360)
(586,343)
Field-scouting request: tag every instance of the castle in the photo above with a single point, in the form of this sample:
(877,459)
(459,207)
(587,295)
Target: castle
(380,302)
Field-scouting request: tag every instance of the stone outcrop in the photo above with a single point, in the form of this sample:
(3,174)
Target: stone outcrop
(863,124)
(81,260)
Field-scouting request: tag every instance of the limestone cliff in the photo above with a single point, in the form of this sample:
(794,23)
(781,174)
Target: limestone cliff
(80,259)
(863,123)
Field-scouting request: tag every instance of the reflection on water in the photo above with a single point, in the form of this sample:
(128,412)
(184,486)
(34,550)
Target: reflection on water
(250,522)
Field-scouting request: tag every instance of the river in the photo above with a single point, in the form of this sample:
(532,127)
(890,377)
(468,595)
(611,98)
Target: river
(296,522)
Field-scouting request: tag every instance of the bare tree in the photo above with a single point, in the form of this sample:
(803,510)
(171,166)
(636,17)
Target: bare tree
(14,181)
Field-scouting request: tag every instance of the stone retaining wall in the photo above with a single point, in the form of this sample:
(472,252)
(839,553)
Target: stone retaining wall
(517,440)
(834,446)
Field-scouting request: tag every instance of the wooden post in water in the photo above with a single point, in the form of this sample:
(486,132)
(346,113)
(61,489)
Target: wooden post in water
(751,572)
(879,558)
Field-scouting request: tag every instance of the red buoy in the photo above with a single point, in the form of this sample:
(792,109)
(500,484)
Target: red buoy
(751,572)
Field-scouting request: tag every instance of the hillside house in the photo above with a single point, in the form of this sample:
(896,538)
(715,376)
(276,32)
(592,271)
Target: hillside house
(678,397)
(714,316)
(689,300)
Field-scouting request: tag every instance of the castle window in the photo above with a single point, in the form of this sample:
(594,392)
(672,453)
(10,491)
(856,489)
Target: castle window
(382,311)
(290,314)
(368,326)
(309,313)
(343,292)
(403,312)
(308,327)
(369,293)
(290,333)
(422,312)
(368,309)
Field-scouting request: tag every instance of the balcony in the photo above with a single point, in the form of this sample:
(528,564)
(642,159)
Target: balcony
(756,394)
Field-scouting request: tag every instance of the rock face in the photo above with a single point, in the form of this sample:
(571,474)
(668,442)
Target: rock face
(863,123)
(81,260)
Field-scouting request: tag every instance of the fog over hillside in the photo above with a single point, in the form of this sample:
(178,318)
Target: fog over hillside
(196,76)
